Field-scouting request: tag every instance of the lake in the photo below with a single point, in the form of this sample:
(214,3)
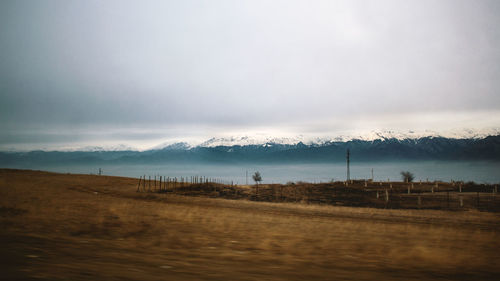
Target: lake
(480,172)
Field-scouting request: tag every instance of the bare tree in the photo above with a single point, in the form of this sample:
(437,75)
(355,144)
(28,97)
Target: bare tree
(407,176)
(257,178)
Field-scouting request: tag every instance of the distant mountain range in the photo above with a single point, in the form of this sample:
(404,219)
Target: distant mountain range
(246,140)
(230,150)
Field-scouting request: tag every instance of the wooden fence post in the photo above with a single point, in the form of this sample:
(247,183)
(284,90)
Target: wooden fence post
(139,185)
(477,199)
(448,199)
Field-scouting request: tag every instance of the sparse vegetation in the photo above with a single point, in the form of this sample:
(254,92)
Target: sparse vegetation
(81,227)
(257,177)
(407,176)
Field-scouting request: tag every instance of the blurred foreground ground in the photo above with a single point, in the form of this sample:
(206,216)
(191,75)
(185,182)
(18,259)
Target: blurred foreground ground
(81,227)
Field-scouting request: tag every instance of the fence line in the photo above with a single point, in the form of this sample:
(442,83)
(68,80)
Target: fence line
(366,193)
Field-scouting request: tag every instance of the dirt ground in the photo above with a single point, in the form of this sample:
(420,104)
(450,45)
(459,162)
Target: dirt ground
(83,227)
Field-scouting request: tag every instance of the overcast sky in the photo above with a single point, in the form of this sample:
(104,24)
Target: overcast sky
(143,72)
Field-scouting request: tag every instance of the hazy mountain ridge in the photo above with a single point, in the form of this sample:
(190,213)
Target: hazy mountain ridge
(269,141)
(427,148)
(374,135)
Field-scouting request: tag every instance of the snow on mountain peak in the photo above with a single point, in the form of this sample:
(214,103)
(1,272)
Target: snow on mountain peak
(347,136)
(173,146)
(247,140)
(97,148)
(268,140)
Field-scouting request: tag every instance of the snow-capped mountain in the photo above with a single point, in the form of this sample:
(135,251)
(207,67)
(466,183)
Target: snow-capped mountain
(250,140)
(244,140)
(269,141)
(382,147)
(309,140)
(173,146)
(118,147)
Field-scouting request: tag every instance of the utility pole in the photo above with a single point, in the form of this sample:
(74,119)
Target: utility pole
(372,174)
(246,178)
(348,172)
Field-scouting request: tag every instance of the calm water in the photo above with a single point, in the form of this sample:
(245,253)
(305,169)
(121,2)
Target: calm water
(481,172)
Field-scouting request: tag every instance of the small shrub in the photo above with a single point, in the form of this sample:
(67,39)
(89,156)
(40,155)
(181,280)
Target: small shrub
(407,176)
(257,177)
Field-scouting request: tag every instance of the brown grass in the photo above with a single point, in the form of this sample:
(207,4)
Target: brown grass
(391,195)
(80,227)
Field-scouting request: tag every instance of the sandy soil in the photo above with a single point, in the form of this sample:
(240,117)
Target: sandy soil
(82,227)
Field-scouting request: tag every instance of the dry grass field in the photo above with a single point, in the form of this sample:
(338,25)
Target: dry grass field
(83,227)
(357,193)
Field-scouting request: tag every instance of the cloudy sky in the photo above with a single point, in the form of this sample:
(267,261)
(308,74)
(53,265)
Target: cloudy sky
(146,72)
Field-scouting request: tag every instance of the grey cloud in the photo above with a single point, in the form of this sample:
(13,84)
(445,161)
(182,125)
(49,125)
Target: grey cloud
(242,64)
